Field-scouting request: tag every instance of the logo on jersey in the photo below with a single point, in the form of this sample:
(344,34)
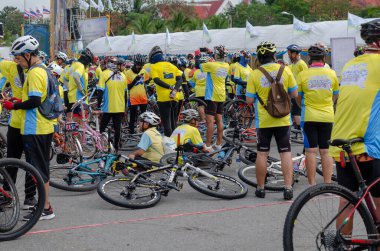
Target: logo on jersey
(264,81)
(168,75)
(201,75)
(221,72)
(355,75)
(319,83)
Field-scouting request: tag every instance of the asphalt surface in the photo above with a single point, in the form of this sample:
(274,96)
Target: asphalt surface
(185,220)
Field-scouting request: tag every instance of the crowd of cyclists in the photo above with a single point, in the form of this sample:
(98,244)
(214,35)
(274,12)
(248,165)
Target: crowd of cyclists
(323,106)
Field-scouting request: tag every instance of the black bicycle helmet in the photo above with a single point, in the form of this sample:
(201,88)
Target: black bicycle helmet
(154,51)
(266,47)
(173,60)
(87,53)
(317,50)
(139,59)
(220,51)
(294,48)
(370,31)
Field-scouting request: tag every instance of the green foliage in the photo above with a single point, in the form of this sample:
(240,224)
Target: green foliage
(179,22)
(217,22)
(12,19)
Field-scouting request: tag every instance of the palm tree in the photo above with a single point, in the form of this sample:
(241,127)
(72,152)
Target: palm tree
(143,24)
(194,24)
(179,22)
(217,22)
(158,25)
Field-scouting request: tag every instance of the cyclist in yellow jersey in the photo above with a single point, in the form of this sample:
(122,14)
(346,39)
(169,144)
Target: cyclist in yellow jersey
(241,73)
(231,74)
(150,145)
(297,65)
(60,59)
(78,81)
(64,80)
(168,79)
(215,94)
(358,116)
(199,79)
(189,132)
(36,130)
(137,93)
(318,89)
(112,96)
(266,125)
(183,66)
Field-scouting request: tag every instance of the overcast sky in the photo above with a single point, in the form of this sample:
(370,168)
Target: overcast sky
(28,3)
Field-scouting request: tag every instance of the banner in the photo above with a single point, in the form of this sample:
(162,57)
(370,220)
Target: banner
(300,27)
(342,49)
(41,33)
(91,29)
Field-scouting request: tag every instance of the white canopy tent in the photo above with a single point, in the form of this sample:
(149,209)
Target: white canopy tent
(234,39)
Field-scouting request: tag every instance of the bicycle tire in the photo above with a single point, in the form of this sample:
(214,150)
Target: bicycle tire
(11,222)
(121,200)
(195,159)
(248,175)
(89,148)
(333,176)
(3,145)
(40,189)
(194,103)
(233,113)
(246,156)
(196,181)
(310,196)
(250,141)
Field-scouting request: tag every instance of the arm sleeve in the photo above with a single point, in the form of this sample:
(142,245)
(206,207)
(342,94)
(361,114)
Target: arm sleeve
(161,83)
(134,82)
(145,142)
(178,83)
(185,89)
(31,103)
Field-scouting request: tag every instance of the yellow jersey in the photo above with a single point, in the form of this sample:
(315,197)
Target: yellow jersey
(113,91)
(215,80)
(259,85)
(187,133)
(151,143)
(299,66)
(199,78)
(358,108)
(316,86)
(33,122)
(77,69)
(242,74)
(167,73)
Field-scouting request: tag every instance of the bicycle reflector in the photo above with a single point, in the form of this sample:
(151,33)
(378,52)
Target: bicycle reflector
(342,159)
(178,139)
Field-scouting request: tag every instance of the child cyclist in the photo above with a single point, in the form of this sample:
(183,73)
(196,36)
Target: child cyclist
(189,134)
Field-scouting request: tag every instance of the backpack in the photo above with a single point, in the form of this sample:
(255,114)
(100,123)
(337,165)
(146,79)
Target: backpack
(169,145)
(52,106)
(278,104)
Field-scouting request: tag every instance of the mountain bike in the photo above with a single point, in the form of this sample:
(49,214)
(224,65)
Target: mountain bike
(141,191)
(12,195)
(322,217)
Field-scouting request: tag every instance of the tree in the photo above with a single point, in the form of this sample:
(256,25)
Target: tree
(143,25)
(217,22)
(179,22)
(12,19)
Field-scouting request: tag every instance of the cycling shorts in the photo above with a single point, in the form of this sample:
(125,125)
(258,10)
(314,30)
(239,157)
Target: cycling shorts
(281,135)
(214,107)
(316,134)
(370,171)
(201,98)
(296,110)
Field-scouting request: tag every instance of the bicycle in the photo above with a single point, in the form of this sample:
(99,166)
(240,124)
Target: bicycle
(274,180)
(141,191)
(12,195)
(316,210)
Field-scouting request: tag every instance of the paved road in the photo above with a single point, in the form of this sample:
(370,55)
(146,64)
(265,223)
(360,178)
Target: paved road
(186,220)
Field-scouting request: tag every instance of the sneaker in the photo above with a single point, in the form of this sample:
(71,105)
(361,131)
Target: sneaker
(47,214)
(260,193)
(288,193)
(217,147)
(29,203)
(209,149)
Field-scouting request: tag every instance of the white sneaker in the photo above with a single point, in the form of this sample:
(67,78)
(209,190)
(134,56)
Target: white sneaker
(209,149)
(217,147)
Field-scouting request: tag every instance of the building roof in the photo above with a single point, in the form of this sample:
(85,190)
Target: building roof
(206,9)
(366,3)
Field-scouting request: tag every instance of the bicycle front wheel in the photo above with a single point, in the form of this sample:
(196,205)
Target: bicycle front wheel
(119,191)
(9,202)
(311,220)
(274,181)
(219,186)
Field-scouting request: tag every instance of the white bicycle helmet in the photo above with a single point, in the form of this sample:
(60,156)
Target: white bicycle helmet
(61,55)
(24,44)
(151,118)
(190,114)
(54,68)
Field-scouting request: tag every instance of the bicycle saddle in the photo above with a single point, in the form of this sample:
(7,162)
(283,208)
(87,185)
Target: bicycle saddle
(341,142)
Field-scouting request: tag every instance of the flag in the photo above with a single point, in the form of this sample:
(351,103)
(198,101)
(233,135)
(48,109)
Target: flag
(206,34)
(38,12)
(32,14)
(26,14)
(93,4)
(110,5)
(133,42)
(354,21)
(168,40)
(45,10)
(108,43)
(83,5)
(100,6)
(300,26)
(250,30)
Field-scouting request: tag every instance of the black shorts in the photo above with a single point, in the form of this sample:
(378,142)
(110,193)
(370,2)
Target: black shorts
(200,103)
(281,134)
(296,110)
(214,108)
(370,171)
(316,134)
(37,152)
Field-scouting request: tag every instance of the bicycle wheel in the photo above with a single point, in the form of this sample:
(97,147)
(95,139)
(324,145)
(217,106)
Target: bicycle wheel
(246,137)
(75,179)
(219,186)
(88,144)
(3,145)
(274,181)
(27,182)
(196,159)
(310,223)
(9,202)
(121,192)
(248,156)
(333,176)
(239,110)
(194,103)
